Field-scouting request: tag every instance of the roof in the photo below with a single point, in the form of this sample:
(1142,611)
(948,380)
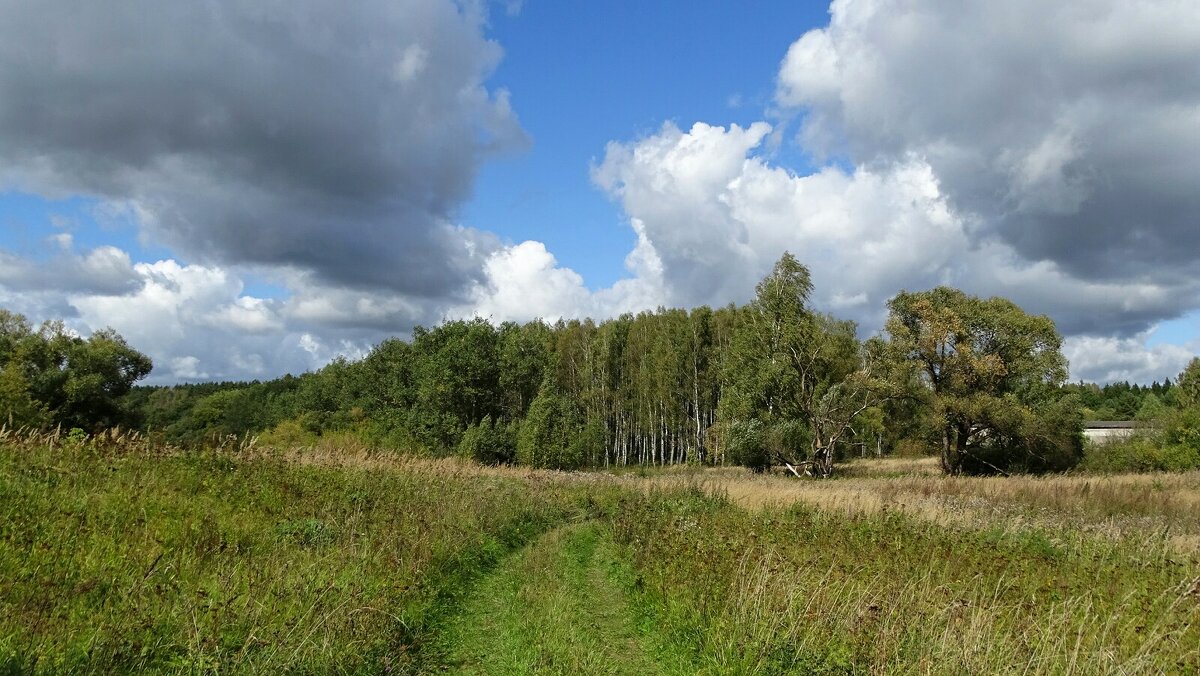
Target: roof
(1110,424)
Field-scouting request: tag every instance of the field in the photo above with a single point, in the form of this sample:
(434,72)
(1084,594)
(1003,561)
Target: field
(118,556)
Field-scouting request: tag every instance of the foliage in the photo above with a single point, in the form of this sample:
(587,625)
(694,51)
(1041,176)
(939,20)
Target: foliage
(489,442)
(1138,454)
(993,373)
(802,375)
(1188,385)
(53,377)
(762,384)
(546,436)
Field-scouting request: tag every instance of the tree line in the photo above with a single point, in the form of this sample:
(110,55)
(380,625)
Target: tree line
(977,381)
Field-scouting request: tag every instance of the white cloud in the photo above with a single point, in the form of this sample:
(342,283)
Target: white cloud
(1110,359)
(718,216)
(187,368)
(103,270)
(196,323)
(525,282)
(1072,130)
(412,62)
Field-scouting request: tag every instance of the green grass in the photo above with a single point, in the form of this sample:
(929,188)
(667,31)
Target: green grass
(803,591)
(118,560)
(204,562)
(562,605)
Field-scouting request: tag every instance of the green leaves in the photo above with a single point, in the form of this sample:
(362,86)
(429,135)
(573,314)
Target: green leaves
(994,373)
(56,377)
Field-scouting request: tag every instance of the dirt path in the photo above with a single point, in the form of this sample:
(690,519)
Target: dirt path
(559,606)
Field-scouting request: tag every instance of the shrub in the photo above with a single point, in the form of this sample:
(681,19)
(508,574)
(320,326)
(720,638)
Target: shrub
(490,443)
(746,445)
(1139,454)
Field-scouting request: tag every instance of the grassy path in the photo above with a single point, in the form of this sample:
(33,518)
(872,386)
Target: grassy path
(558,606)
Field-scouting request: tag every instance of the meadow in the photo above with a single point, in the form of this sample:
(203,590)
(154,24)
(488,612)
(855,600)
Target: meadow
(117,554)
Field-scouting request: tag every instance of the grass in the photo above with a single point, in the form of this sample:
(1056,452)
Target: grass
(1156,506)
(119,556)
(135,561)
(801,590)
(562,605)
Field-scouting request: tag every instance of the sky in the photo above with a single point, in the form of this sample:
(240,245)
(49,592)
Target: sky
(244,189)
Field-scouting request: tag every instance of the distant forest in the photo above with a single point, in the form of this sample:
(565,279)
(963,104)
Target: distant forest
(978,381)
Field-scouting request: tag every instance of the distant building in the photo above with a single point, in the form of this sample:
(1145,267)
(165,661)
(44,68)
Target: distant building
(1104,431)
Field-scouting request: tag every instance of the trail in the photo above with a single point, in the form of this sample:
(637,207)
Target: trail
(558,606)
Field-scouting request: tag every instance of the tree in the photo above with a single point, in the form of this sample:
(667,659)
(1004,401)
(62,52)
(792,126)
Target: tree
(17,406)
(1187,385)
(524,351)
(54,376)
(98,372)
(545,438)
(490,443)
(992,372)
(801,375)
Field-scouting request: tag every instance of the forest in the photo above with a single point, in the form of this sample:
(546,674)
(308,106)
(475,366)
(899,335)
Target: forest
(979,382)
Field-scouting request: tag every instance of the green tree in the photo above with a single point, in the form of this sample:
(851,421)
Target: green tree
(800,374)
(993,374)
(54,376)
(1187,385)
(547,434)
(524,352)
(18,408)
(456,377)
(489,442)
(98,372)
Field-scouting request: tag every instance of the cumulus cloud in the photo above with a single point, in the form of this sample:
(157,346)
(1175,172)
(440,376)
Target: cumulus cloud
(525,282)
(332,140)
(1048,154)
(718,215)
(1112,359)
(1072,130)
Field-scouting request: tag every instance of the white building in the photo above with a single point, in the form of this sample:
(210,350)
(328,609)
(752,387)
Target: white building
(1104,431)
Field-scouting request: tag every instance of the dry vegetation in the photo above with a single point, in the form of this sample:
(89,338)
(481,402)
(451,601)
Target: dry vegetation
(1158,506)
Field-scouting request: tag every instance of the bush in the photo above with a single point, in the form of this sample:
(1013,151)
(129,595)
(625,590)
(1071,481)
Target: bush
(489,442)
(288,434)
(746,445)
(1173,447)
(1047,440)
(1138,454)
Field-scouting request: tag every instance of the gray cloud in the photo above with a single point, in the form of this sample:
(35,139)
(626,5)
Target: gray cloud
(337,140)
(105,270)
(1070,130)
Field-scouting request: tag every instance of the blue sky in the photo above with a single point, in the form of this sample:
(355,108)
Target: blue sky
(245,192)
(605,71)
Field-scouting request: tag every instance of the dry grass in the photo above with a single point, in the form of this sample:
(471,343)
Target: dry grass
(1155,506)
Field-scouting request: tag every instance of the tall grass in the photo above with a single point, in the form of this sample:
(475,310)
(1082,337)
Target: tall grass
(119,555)
(807,591)
(1166,505)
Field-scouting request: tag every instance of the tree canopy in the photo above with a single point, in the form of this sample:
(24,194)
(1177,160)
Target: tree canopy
(54,377)
(993,374)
